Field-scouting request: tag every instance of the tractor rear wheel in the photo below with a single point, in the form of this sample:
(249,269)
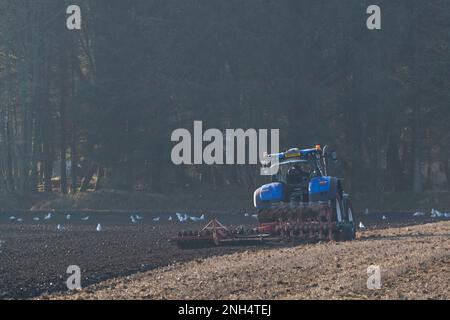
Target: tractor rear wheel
(343,213)
(337,207)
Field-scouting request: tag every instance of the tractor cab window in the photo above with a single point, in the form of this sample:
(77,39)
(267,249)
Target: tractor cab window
(293,173)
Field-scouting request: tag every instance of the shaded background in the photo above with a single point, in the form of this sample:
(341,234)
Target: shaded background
(94,109)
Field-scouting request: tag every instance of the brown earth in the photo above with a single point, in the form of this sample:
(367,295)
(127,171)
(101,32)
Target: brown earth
(414,262)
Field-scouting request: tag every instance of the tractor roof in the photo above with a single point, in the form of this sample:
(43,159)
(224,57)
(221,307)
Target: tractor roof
(295,153)
(288,162)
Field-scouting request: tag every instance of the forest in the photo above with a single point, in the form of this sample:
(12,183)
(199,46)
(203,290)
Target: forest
(95,108)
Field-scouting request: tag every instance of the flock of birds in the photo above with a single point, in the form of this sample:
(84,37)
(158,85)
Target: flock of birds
(182,218)
(434,214)
(134,218)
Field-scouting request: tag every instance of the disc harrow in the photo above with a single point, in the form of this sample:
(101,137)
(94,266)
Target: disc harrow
(281,223)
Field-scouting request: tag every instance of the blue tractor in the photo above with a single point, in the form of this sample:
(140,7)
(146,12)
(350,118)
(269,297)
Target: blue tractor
(302,200)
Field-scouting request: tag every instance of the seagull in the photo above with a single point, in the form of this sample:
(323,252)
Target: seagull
(384,218)
(12,218)
(447,214)
(36,219)
(133,219)
(182,218)
(255,216)
(85,218)
(418,214)
(436,214)
(139,217)
(195,219)
(170,218)
(366,211)
(99,227)
(20,220)
(156,219)
(361,226)
(60,228)
(68,217)
(246,215)
(48,216)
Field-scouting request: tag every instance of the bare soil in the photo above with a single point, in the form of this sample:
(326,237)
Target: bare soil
(414,262)
(34,255)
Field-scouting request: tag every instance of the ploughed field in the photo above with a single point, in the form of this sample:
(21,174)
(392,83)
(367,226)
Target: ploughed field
(133,258)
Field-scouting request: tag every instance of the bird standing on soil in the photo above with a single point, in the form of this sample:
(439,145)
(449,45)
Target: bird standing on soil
(436,213)
(99,227)
(195,219)
(182,218)
(361,226)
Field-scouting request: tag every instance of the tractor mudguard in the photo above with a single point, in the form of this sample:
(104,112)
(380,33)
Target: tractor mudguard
(324,189)
(268,194)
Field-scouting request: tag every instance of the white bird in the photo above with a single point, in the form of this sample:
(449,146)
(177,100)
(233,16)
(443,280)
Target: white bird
(12,218)
(366,211)
(85,218)
(156,219)
(195,219)
(182,218)
(138,217)
(60,227)
(170,218)
(384,218)
(361,226)
(447,214)
(99,227)
(246,215)
(20,220)
(255,216)
(36,219)
(418,214)
(133,219)
(48,216)
(68,217)
(436,213)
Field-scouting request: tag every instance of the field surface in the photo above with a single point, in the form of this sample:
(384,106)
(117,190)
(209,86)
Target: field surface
(128,260)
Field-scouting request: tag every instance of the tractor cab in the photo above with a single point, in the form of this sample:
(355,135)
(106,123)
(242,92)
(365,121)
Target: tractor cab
(296,176)
(299,175)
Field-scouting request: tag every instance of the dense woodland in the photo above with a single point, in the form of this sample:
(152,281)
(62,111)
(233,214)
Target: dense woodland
(103,101)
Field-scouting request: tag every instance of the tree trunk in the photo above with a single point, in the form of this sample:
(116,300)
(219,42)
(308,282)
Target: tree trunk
(63,117)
